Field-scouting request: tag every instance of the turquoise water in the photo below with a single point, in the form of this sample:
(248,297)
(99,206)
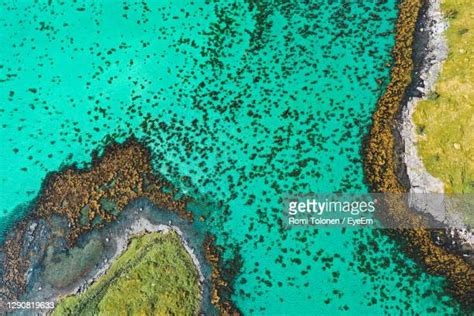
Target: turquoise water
(240,102)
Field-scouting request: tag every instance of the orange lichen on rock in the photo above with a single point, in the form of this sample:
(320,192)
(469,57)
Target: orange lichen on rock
(381,167)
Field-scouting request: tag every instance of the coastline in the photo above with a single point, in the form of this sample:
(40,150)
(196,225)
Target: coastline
(430,55)
(384,168)
(125,242)
(57,250)
(427,191)
(121,243)
(140,217)
(95,196)
(139,226)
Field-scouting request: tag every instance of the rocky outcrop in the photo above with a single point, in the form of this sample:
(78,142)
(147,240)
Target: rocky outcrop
(431,54)
(86,199)
(383,170)
(426,191)
(87,216)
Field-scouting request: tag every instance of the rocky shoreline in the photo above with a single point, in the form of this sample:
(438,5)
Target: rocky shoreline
(83,219)
(138,220)
(139,217)
(430,51)
(426,191)
(386,173)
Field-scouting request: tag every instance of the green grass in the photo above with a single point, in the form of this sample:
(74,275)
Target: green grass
(445,122)
(154,276)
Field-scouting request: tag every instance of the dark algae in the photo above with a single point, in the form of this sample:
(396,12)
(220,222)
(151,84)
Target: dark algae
(233,105)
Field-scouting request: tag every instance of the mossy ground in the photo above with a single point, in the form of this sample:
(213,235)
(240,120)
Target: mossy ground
(154,276)
(445,122)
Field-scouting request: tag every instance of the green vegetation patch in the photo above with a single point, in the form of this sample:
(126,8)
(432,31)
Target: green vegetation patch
(154,276)
(445,122)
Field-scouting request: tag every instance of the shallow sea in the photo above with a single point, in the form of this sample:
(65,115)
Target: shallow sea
(241,102)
